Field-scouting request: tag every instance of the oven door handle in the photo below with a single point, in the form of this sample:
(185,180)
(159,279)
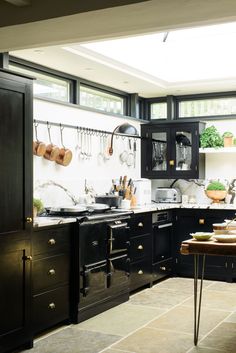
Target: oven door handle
(165,225)
(85,288)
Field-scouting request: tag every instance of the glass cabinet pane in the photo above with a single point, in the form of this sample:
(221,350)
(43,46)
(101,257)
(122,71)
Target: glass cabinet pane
(159,148)
(183,148)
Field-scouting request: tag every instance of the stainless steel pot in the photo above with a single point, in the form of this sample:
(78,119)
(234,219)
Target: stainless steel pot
(110,200)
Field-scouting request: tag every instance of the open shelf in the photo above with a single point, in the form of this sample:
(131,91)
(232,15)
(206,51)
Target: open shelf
(218,150)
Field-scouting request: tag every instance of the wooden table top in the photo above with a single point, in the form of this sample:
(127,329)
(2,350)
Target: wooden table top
(210,247)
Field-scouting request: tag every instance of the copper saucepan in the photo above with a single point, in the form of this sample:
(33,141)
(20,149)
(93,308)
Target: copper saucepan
(39,147)
(65,155)
(52,151)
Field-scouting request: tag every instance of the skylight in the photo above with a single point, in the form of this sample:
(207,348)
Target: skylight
(204,53)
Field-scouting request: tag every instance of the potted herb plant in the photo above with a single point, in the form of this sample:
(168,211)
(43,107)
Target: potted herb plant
(37,207)
(216,191)
(228,138)
(210,137)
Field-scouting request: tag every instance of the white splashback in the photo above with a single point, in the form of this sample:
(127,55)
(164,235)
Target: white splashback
(96,171)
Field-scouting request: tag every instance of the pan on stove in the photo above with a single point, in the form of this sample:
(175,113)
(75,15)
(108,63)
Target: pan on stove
(98,207)
(66,211)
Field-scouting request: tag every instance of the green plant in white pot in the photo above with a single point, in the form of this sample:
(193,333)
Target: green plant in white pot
(37,206)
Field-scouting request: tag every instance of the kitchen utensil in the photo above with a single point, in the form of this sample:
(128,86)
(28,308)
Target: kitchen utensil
(100,154)
(225,238)
(69,211)
(39,148)
(65,155)
(135,150)
(106,154)
(130,157)
(202,235)
(98,207)
(123,155)
(52,151)
(110,200)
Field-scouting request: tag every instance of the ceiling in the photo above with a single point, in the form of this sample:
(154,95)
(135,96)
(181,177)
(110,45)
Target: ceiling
(195,60)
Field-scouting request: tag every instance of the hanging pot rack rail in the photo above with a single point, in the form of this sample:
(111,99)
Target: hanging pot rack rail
(82,129)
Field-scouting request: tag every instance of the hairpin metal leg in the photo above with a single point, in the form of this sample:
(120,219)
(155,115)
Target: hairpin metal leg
(197,303)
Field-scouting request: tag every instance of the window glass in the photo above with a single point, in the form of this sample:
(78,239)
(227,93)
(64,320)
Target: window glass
(45,85)
(159,110)
(207,107)
(94,98)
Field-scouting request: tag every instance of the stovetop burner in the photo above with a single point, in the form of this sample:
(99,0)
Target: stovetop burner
(89,215)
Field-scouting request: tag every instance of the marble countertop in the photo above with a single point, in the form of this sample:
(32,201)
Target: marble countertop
(50,221)
(167,206)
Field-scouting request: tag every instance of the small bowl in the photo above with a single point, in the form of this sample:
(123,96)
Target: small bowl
(202,235)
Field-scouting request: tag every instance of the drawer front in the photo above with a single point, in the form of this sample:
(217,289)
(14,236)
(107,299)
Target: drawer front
(162,269)
(140,274)
(49,272)
(140,247)
(50,308)
(141,224)
(51,240)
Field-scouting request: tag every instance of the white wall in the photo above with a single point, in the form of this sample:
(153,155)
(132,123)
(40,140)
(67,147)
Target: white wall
(96,171)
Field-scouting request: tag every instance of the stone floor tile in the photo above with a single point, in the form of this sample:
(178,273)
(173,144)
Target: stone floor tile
(223,286)
(199,349)
(73,340)
(183,285)
(180,319)
(231,318)
(148,340)
(160,298)
(223,338)
(216,300)
(111,350)
(122,319)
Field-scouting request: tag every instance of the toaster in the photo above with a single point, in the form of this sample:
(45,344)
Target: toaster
(170,195)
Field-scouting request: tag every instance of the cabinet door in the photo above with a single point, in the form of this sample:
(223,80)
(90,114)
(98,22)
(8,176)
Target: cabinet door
(15,208)
(14,294)
(184,151)
(16,154)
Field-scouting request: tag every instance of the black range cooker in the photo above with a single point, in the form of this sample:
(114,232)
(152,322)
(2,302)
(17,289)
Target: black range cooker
(100,262)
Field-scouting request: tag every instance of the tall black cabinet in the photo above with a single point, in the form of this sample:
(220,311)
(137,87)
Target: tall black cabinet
(15,209)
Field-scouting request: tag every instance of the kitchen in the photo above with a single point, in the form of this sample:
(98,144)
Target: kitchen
(49,111)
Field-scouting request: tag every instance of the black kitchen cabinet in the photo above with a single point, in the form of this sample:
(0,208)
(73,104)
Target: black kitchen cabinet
(162,247)
(171,150)
(15,210)
(51,268)
(140,251)
(195,220)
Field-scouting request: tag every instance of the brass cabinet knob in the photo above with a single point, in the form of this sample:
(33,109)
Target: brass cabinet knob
(201,221)
(140,247)
(140,224)
(52,272)
(52,306)
(29,220)
(51,241)
(140,272)
(171,162)
(28,258)
(163,268)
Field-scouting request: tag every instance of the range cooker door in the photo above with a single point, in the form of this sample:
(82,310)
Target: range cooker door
(118,235)
(93,281)
(92,242)
(118,271)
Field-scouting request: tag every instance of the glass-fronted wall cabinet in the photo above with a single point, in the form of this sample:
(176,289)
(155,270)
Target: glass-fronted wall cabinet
(171,150)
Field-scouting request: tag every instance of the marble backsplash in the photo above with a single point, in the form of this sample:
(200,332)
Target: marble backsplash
(71,192)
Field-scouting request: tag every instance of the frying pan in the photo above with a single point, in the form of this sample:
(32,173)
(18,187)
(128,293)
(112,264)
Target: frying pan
(68,211)
(98,207)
